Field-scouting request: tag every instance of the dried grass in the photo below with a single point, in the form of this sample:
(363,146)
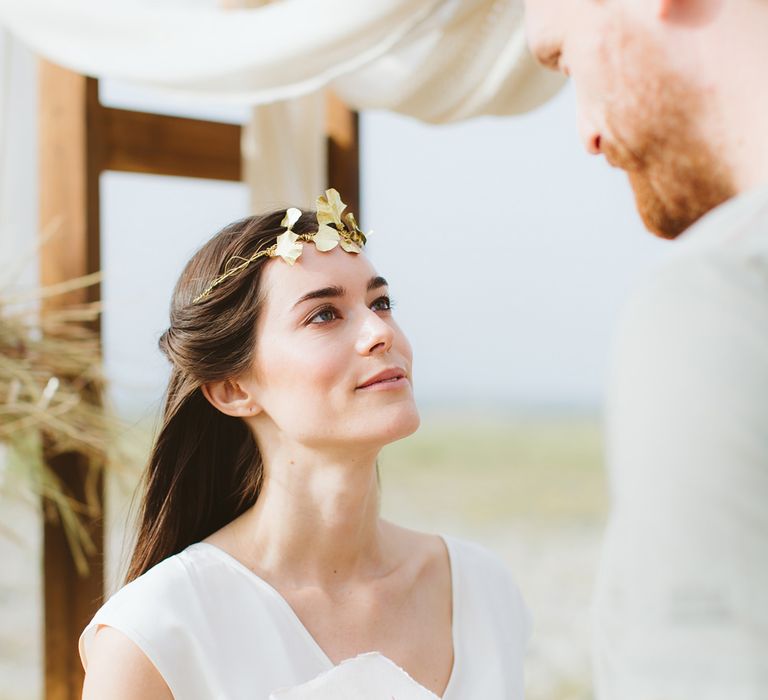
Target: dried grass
(51,384)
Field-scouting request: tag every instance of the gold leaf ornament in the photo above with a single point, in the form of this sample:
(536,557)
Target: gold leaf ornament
(330,208)
(288,246)
(329,223)
(334,228)
(331,219)
(292,215)
(326,238)
(350,246)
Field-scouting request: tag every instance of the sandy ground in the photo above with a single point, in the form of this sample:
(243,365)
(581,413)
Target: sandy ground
(534,495)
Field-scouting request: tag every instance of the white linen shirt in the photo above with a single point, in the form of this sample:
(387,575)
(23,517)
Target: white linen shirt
(681,606)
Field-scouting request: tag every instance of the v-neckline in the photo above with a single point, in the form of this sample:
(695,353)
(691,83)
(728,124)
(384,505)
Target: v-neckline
(313,643)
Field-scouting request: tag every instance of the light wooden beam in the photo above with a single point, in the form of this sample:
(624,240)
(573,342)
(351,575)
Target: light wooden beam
(137,142)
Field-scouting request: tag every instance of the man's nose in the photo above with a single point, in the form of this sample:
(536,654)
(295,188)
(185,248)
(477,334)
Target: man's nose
(590,136)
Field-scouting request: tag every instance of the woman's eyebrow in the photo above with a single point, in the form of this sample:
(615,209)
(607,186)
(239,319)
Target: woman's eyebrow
(377,283)
(336,291)
(323,293)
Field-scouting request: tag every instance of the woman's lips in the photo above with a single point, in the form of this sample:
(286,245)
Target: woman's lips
(388,379)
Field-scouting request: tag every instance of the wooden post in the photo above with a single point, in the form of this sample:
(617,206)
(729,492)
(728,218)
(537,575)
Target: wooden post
(343,130)
(70,156)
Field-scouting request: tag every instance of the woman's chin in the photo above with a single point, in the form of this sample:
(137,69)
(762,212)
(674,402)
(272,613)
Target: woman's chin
(404,422)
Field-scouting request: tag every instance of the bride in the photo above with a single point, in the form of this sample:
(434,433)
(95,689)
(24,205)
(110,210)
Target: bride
(261,560)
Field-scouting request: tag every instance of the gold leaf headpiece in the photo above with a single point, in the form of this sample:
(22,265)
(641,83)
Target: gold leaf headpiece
(333,228)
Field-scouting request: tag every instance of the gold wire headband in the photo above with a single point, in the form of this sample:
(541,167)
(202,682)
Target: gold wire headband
(333,228)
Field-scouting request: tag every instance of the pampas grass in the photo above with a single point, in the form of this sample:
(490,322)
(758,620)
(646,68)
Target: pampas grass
(51,389)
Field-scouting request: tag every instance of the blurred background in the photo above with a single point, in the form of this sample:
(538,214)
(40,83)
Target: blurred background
(509,253)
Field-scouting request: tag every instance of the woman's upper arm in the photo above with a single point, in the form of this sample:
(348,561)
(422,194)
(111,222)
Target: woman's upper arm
(119,670)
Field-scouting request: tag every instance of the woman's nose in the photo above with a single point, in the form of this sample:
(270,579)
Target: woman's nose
(375,335)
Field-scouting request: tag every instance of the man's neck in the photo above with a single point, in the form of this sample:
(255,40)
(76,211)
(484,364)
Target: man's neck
(737,67)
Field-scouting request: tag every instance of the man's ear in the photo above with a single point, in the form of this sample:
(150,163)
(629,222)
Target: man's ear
(688,12)
(666,8)
(231,398)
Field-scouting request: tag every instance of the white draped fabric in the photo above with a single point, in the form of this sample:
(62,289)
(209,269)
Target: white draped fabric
(284,153)
(467,59)
(437,60)
(257,54)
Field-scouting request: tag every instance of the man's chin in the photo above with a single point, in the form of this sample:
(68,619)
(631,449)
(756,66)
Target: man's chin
(651,207)
(653,210)
(669,211)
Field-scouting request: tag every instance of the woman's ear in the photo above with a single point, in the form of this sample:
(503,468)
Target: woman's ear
(231,398)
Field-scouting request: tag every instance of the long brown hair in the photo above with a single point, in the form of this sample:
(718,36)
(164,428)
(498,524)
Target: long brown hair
(205,468)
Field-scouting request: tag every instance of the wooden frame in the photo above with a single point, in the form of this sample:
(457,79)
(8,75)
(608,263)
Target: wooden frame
(69,209)
(79,139)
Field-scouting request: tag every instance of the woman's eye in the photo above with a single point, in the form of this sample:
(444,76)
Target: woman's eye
(324,316)
(382,304)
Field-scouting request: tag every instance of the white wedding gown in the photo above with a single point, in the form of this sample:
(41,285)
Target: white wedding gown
(215,630)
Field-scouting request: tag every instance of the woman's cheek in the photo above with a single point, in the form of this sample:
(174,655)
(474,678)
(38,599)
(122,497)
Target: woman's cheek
(313,373)
(403,345)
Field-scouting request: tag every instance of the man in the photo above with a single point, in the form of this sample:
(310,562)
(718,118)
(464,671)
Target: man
(675,93)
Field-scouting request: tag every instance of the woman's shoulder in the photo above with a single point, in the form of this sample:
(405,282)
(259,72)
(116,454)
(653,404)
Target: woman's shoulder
(159,580)
(477,560)
(466,558)
(165,609)
(156,612)
(150,600)
(474,567)
(164,583)
(487,589)
(119,668)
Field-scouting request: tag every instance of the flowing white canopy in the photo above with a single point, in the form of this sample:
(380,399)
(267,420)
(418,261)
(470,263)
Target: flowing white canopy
(435,60)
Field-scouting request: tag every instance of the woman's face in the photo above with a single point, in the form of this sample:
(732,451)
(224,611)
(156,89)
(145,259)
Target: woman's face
(331,365)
